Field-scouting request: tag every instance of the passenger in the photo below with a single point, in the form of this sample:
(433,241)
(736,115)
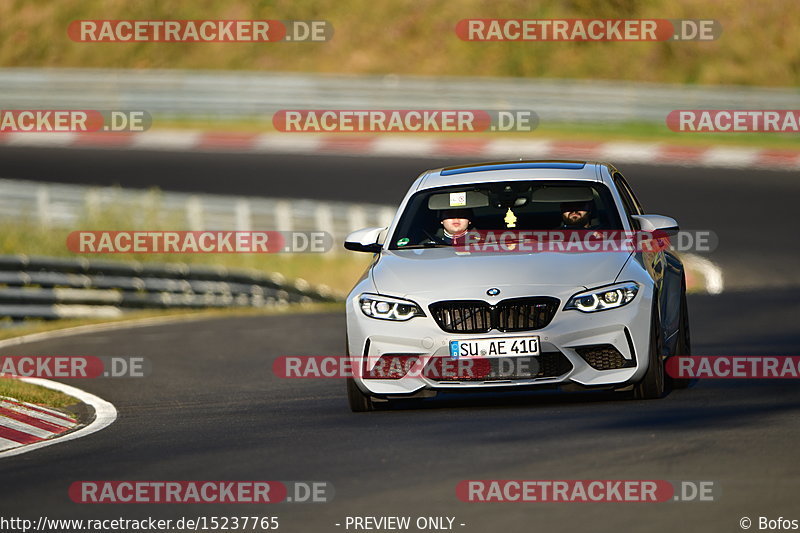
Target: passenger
(576,215)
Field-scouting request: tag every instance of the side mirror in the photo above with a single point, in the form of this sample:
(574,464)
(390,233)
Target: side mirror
(365,240)
(660,223)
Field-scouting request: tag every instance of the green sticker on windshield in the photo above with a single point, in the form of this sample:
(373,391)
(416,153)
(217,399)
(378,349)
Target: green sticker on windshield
(403,241)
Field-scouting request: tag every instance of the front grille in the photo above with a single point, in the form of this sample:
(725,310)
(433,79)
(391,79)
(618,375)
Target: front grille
(477,316)
(604,357)
(546,365)
(523,314)
(462,316)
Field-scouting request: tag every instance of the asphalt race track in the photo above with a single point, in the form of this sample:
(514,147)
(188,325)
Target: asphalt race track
(213,410)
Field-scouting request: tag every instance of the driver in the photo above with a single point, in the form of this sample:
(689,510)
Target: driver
(455,227)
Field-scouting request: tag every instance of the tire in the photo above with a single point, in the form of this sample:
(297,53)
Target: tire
(359,401)
(653,385)
(684,346)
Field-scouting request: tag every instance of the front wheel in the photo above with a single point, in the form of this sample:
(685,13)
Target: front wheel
(359,401)
(684,346)
(652,386)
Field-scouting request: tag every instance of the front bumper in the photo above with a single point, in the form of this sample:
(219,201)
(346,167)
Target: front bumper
(626,330)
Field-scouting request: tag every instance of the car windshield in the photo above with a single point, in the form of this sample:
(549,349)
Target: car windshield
(519,205)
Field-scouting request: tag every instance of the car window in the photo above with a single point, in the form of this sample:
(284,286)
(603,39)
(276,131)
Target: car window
(632,205)
(521,205)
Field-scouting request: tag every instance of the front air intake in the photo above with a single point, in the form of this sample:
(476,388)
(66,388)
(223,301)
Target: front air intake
(604,357)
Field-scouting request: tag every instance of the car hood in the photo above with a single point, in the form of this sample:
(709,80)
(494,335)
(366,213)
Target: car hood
(443,272)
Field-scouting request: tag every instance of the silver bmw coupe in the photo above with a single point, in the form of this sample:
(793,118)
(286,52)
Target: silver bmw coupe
(516,275)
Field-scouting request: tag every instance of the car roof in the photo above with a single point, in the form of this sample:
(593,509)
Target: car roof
(513,171)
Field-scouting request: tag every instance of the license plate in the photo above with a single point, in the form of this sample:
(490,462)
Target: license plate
(503,347)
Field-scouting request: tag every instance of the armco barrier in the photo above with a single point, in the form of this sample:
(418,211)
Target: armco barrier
(67,206)
(237,94)
(53,288)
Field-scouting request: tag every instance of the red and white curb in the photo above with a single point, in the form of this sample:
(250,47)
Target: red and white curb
(25,423)
(416,146)
(25,427)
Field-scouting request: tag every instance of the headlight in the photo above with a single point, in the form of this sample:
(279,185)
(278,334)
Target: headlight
(388,308)
(604,298)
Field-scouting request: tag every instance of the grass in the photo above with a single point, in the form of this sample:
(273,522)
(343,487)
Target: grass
(27,392)
(759,45)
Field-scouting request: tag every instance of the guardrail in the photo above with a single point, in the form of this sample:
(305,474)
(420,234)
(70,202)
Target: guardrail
(53,288)
(57,205)
(219,95)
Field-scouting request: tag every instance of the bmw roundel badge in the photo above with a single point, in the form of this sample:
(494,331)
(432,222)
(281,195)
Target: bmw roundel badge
(494,291)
